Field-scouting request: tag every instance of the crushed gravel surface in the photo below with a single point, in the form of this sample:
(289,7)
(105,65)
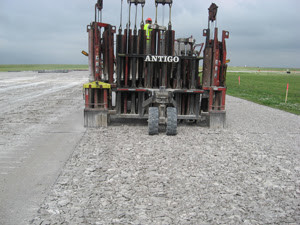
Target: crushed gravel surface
(40,124)
(248,173)
(29,101)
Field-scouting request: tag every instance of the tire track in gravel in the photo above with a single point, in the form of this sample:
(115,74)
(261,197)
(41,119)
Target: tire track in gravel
(19,86)
(9,104)
(24,114)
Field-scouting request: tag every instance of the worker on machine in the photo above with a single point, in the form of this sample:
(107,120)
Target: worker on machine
(147,29)
(148,34)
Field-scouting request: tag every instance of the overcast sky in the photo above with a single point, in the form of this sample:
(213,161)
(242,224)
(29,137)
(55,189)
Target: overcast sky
(262,32)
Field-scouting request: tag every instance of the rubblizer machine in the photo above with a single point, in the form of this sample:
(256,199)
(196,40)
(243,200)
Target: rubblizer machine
(156,78)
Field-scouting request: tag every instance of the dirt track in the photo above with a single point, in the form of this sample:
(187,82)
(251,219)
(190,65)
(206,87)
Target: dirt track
(248,173)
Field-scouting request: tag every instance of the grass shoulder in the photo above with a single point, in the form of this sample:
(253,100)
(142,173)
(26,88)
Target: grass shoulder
(266,88)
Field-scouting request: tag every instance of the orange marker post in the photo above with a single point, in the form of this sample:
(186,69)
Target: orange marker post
(287,92)
(239,80)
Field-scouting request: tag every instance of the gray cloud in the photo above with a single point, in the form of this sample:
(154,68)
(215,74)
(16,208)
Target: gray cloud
(262,33)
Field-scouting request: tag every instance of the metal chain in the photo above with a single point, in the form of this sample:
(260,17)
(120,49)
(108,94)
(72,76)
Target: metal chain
(163,15)
(156,5)
(121,14)
(136,6)
(170,13)
(142,23)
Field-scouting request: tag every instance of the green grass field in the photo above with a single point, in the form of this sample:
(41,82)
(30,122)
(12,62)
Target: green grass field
(32,67)
(266,88)
(257,69)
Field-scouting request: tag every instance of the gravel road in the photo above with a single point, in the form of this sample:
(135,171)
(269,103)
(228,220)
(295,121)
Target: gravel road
(40,124)
(248,173)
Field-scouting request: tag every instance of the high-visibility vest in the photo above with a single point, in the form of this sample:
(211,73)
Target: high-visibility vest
(148,30)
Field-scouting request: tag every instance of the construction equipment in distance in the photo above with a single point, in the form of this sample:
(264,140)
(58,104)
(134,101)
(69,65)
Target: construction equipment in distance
(155,78)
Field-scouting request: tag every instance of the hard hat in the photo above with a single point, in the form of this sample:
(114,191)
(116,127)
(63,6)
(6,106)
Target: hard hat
(149,19)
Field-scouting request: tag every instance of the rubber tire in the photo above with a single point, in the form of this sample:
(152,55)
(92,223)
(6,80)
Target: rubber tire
(172,121)
(153,118)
